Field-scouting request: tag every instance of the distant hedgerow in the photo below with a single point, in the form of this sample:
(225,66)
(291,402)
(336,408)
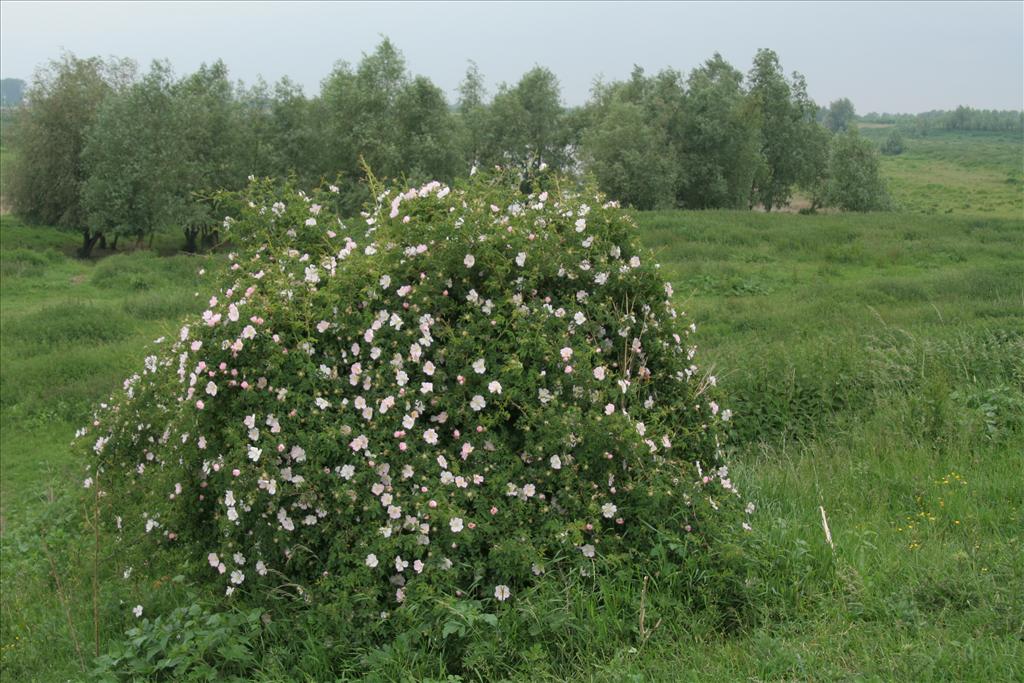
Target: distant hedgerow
(470,389)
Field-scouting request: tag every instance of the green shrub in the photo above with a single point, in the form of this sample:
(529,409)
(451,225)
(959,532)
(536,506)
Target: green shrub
(799,394)
(474,392)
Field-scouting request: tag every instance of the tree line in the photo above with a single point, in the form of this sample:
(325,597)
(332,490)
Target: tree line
(11,91)
(960,119)
(115,153)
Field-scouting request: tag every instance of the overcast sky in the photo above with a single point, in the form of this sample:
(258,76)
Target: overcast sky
(896,57)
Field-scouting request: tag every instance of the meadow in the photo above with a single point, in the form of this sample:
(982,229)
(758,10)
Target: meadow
(875,365)
(955,172)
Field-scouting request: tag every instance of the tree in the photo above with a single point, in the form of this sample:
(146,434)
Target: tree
(855,181)
(893,144)
(376,113)
(630,138)
(159,148)
(292,135)
(720,139)
(357,120)
(257,154)
(840,116)
(425,127)
(472,111)
(626,155)
(208,126)
(525,124)
(134,158)
(812,178)
(771,92)
(61,105)
(788,121)
(664,100)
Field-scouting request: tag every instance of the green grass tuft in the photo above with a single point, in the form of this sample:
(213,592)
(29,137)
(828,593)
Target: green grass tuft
(68,323)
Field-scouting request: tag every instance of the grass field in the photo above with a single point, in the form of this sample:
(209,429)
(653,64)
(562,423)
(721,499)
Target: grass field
(880,359)
(960,173)
(876,367)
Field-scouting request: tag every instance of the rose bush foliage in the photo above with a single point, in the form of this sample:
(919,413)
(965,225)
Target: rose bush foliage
(465,390)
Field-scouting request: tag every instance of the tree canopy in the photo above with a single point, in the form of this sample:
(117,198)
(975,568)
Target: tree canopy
(62,103)
(105,150)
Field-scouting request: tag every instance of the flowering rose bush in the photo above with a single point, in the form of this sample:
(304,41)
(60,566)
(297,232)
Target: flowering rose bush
(468,389)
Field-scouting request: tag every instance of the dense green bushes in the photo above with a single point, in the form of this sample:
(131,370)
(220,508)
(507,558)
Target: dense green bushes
(893,145)
(953,389)
(473,392)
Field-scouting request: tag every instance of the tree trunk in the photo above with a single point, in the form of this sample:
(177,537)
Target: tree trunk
(190,240)
(103,241)
(89,240)
(113,246)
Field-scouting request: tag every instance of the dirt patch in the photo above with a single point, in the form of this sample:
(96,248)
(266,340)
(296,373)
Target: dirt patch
(796,205)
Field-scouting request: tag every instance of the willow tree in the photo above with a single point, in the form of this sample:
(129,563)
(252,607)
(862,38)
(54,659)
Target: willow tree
(61,106)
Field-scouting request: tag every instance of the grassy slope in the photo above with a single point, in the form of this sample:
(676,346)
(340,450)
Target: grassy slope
(72,329)
(877,368)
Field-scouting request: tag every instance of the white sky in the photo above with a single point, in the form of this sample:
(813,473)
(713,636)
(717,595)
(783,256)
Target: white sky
(907,57)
